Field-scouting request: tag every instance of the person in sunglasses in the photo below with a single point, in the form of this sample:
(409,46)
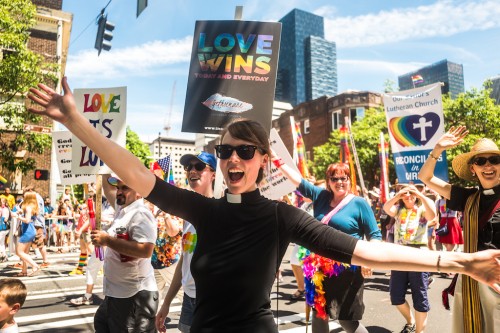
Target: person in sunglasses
(339,209)
(476,308)
(200,174)
(243,236)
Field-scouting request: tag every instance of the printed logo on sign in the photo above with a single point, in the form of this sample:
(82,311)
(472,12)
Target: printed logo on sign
(218,102)
(414,130)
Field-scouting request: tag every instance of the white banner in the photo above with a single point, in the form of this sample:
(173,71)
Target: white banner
(106,110)
(62,142)
(276,185)
(415,122)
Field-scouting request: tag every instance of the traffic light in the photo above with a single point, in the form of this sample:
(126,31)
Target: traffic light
(104,34)
(41,174)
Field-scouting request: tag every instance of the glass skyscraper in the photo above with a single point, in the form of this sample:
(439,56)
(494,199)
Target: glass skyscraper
(307,67)
(450,73)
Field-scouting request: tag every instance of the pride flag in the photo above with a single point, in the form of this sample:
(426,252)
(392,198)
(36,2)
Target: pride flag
(383,156)
(345,157)
(300,149)
(301,159)
(165,165)
(416,79)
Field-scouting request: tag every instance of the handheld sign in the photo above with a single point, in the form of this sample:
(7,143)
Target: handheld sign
(232,74)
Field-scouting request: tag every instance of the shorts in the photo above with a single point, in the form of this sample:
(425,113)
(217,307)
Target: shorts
(39,238)
(294,257)
(187,310)
(132,314)
(418,283)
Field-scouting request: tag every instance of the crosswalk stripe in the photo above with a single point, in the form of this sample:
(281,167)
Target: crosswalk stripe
(61,294)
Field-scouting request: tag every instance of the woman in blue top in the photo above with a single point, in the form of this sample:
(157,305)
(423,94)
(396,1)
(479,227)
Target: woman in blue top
(27,215)
(353,216)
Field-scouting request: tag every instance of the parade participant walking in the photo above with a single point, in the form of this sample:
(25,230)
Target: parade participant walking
(4,227)
(200,174)
(27,216)
(83,235)
(476,308)
(448,219)
(131,295)
(243,236)
(411,210)
(343,286)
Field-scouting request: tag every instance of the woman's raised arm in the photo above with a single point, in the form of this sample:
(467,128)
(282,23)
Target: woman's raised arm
(62,108)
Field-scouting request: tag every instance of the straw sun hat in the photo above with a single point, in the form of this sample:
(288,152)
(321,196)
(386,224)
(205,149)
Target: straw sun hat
(461,164)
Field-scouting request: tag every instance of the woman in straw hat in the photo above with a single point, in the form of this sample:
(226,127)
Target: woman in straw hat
(476,307)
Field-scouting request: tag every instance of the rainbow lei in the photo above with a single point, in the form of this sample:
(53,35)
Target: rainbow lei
(316,268)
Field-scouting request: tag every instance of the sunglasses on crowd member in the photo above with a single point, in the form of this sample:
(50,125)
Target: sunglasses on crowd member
(200,166)
(480,161)
(245,152)
(336,179)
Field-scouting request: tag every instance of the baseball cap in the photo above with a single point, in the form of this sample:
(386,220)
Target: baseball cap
(203,156)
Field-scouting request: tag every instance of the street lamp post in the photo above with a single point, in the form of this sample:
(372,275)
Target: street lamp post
(159,145)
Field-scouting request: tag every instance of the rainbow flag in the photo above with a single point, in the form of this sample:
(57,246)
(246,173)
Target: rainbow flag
(300,148)
(165,165)
(416,79)
(383,156)
(3,180)
(346,157)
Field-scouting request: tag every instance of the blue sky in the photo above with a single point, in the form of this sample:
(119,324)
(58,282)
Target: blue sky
(376,40)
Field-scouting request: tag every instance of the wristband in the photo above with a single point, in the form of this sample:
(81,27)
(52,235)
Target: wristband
(437,264)
(278,162)
(432,156)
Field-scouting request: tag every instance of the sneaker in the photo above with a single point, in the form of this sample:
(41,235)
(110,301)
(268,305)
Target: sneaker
(409,328)
(76,271)
(430,281)
(82,300)
(44,265)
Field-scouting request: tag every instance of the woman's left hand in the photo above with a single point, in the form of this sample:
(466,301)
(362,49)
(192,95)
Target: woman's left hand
(366,271)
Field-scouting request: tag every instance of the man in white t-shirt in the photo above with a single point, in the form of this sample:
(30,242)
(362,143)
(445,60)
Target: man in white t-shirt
(131,295)
(200,173)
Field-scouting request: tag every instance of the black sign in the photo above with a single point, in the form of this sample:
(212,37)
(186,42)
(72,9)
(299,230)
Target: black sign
(232,74)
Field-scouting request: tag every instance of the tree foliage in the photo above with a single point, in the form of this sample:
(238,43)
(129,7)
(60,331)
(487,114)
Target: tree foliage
(137,147)
(474,109)
(20,68)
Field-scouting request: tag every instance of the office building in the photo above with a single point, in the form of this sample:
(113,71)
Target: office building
(307,67)
(447,72)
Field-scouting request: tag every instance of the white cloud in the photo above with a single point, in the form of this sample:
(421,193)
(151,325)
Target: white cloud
(443,18)
(152,58)
(376,66)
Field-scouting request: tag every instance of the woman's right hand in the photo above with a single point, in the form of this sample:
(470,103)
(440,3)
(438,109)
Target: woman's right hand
(452,138)
(58,107)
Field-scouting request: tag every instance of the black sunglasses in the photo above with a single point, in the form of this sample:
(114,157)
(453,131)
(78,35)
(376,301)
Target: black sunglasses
(245,152)
(200,166)
(494,160)
(336,179)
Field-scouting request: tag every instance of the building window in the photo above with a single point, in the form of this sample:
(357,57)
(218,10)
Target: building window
(336,120)
(306,126)
(308,155)
(356,114)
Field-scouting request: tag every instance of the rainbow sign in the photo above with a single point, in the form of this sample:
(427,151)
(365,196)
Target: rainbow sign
(415,122)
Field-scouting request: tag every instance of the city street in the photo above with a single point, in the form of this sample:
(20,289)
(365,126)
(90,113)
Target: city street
(47,308)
